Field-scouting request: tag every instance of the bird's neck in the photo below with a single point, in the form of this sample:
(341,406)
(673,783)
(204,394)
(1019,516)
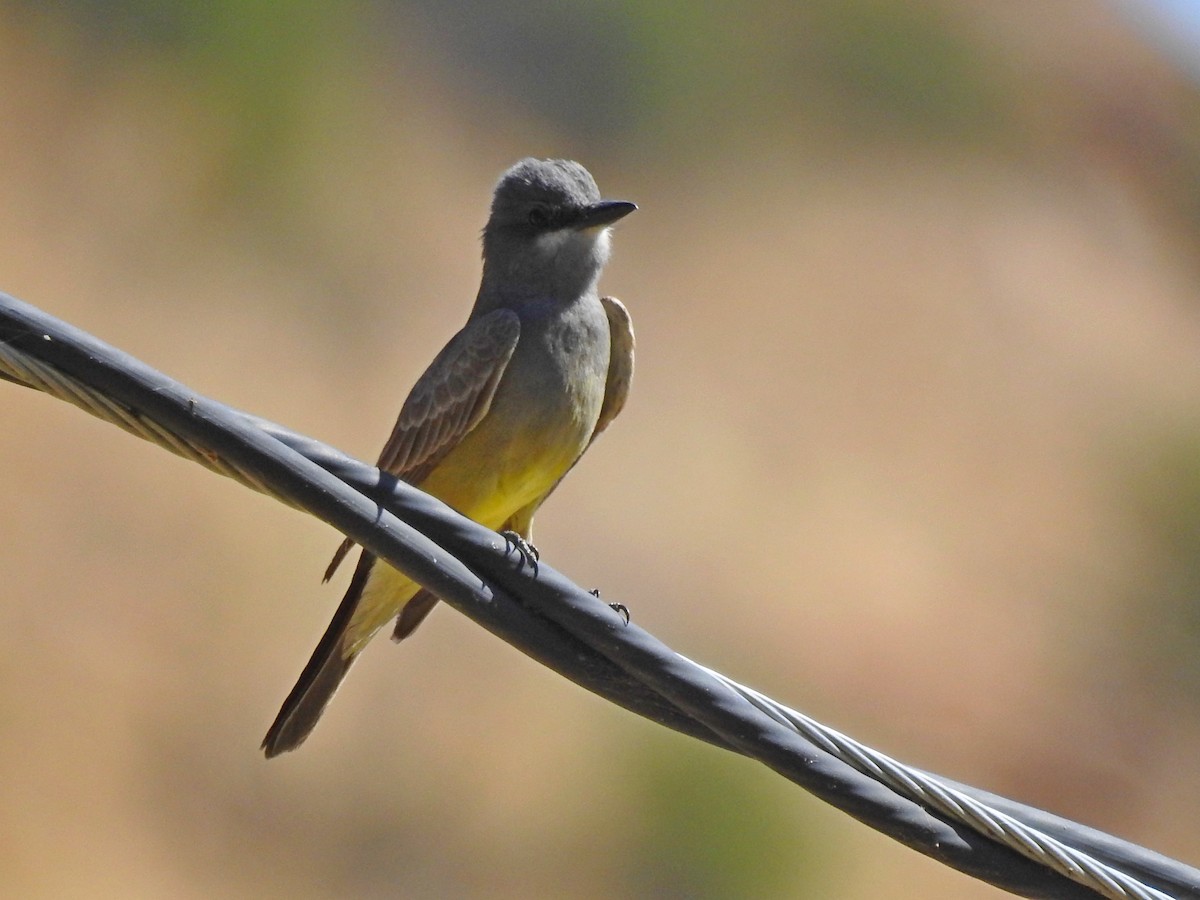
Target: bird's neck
(504,286)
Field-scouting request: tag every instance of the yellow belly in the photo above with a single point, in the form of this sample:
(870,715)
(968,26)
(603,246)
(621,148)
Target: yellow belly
(490,476)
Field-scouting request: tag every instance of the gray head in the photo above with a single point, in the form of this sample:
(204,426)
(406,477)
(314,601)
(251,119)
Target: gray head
(548,230)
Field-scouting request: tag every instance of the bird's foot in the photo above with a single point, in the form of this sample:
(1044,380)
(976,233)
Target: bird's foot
(619,608)
(528,553)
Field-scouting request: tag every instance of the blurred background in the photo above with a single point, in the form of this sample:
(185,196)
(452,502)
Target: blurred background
(914,444)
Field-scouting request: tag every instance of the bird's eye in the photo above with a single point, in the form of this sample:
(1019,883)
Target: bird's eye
(539,217)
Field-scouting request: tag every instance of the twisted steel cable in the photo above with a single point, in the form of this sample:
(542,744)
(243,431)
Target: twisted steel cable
(626,665)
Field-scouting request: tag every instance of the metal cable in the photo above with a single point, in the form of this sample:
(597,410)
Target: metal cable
(33,373)
(24,366)
(1081,868)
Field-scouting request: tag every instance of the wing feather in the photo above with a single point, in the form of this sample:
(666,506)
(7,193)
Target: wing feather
(452,396)
(447,402)
(620,362)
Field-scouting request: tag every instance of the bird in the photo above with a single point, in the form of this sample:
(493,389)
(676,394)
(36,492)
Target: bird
(542,366)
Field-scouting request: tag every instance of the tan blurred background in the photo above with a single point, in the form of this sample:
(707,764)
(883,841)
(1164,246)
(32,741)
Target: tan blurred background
(914,444)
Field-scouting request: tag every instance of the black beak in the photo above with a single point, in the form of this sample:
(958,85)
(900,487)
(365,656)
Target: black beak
(598,215)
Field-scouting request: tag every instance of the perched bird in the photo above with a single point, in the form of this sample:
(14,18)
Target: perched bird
(503,412)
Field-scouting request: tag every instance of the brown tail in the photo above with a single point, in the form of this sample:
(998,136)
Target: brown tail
(321,676)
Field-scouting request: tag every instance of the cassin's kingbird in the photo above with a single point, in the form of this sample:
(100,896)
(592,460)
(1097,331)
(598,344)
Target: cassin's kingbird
(542,366)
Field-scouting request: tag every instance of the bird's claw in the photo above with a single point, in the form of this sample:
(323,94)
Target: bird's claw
(528,553)
(619,608)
